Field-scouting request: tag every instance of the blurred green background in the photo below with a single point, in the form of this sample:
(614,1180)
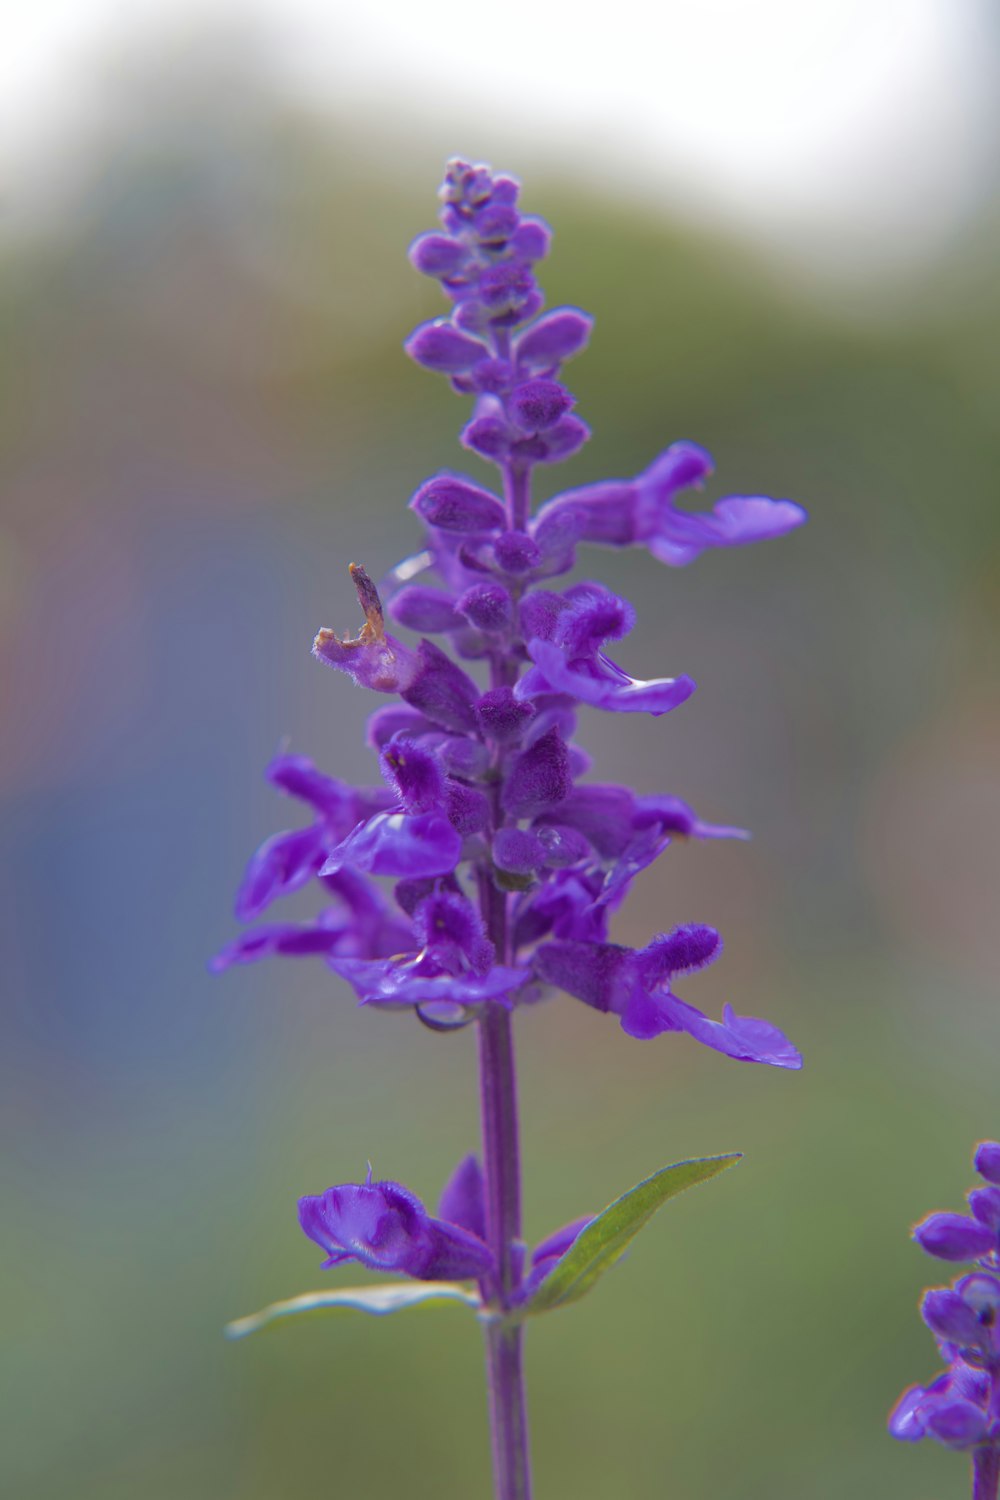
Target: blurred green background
(205,415)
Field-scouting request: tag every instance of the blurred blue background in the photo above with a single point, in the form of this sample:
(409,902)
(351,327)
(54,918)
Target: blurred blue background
(787,230)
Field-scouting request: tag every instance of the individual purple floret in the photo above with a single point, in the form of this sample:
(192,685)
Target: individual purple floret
(385,1227)
(961,1408)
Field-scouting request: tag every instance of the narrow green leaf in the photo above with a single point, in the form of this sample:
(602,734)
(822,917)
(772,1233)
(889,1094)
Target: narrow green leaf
(609,1235)
(378,1300)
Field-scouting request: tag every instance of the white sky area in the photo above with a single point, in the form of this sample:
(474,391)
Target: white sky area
(858,130)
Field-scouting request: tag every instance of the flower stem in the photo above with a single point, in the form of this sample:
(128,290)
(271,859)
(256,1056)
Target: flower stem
(501,1163)
(985,1473)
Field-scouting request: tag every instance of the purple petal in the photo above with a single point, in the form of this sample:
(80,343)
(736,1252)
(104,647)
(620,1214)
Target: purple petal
(385,1227)
(282,864)
(742,1037)
(680,819)
(381,1224)
(384,665)
(601,683)
(394,982)
(401,844)
(679,537)
(289,939)
(297,776)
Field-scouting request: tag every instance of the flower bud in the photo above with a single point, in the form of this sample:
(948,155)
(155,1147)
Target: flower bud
(538,404)
(949,1317)
(987,1161)
(953,1237)
(557,336)
(439,346)
(454,504)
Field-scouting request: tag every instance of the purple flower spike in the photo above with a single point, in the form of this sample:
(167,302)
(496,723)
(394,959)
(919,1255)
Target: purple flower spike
(954,1237)
(383,1226)
(959,1408)
(487,870)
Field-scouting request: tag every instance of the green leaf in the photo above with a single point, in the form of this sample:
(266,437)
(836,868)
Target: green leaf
(609,1235)
(378,1300)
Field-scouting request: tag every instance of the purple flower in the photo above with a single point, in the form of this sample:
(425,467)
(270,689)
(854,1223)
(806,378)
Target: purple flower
(449,969)
(375,660)
(383,1226)
(507,864)
(635,986)
(641,512)
(569,630)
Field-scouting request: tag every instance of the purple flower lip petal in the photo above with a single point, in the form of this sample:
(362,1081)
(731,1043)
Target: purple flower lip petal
(954,1237)
(401,844)
(283,864)
(601,683)
(291,939)
(396,981)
